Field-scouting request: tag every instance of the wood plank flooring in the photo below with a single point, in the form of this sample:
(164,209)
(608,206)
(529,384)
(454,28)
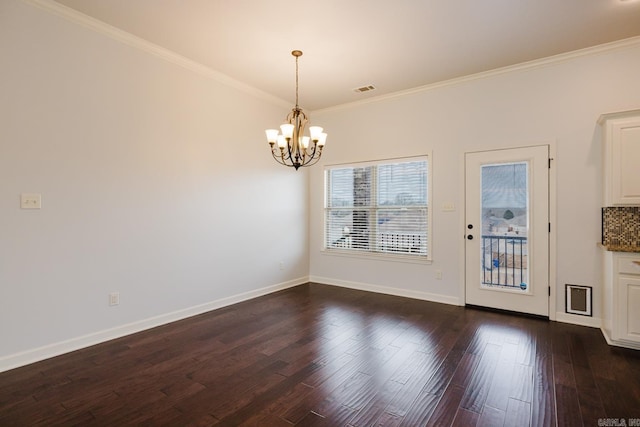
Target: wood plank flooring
(317,355)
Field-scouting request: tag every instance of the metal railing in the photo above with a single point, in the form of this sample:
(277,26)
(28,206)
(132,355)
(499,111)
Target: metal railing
(505,261)
(387,242)
(400,243)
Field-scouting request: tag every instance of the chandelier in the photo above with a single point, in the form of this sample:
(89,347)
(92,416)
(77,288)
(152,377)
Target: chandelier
(292,148)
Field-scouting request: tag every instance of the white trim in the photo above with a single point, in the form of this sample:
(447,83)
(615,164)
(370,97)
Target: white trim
(45,352)
(384,161)
(592,322)
(136,42)
(626,344)
(377,256)
(462,217)
(524,66)
(425,296)
(553,235)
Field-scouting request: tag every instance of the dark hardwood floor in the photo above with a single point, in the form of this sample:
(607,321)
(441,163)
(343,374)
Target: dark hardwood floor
(318,355)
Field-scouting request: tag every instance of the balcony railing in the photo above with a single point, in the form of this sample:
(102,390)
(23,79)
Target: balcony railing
(505,261)
(387,242)
(401,243)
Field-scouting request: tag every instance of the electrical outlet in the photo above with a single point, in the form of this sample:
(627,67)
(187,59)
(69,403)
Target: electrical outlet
(114,298)
(281,265)
(439,274)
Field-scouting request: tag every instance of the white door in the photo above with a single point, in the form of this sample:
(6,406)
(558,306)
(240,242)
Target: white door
(507,229)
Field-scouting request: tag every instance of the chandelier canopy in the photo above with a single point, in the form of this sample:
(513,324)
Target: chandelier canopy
(291,147)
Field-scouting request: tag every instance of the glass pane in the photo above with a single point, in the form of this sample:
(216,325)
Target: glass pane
(348,229)
(349,205)
(505,226)
(340,187)
(402,184)
(402,231)
(339,224)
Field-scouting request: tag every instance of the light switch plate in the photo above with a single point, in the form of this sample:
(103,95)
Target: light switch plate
(30,201)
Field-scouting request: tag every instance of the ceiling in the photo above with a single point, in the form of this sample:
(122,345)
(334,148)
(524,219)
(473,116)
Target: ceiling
(392,45)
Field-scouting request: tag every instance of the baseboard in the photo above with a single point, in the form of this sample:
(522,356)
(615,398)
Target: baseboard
(35,355)
(606,336)
(626,344)
(592,322)
(426,296)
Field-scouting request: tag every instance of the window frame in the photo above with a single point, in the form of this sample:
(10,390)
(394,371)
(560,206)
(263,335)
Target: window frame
(374,208)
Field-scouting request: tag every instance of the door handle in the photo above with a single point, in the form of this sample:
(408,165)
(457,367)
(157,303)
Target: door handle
(470,237)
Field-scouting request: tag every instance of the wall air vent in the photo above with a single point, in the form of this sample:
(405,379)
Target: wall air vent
(367,88)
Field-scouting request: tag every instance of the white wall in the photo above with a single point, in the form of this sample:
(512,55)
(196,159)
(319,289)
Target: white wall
(556,103)
(156,182)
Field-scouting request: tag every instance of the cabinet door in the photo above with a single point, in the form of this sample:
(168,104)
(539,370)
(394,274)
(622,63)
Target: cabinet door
(625,179)
(629,308)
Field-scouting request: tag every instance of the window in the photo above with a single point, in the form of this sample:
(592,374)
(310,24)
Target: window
(378,207)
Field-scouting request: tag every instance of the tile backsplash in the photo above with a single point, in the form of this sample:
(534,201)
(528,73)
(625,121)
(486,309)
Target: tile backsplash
(621,226)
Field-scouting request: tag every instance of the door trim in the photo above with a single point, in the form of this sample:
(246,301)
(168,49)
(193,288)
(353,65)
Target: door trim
(553,219)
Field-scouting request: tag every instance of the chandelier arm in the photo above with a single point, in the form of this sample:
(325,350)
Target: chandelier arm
(279,157)
(284,156)
(276,154)
(285,164)
(313,150)
(314,160)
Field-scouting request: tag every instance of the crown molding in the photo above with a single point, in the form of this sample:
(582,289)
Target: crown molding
(529,65)
(139,43)
(172,57)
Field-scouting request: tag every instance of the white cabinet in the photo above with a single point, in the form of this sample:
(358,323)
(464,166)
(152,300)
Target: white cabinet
(621,134)
(622,299)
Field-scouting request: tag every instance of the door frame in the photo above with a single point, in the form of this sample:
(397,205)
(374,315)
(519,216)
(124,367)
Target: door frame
(553,219)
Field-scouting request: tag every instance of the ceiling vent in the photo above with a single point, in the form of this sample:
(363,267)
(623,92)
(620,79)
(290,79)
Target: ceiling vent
(367,88)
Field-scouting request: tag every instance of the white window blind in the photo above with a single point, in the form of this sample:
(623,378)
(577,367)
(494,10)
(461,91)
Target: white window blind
(378,207)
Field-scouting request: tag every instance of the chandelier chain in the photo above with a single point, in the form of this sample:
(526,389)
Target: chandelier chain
(297,82)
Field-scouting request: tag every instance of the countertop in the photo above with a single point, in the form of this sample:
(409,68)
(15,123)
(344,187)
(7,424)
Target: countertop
(621,248)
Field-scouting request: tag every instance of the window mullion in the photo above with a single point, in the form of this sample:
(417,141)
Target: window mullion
(373,212)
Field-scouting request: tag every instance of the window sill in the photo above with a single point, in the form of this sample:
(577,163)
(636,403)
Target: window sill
(379,256)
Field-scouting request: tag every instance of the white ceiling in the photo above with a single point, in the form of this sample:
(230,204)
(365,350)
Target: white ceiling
(393,45)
